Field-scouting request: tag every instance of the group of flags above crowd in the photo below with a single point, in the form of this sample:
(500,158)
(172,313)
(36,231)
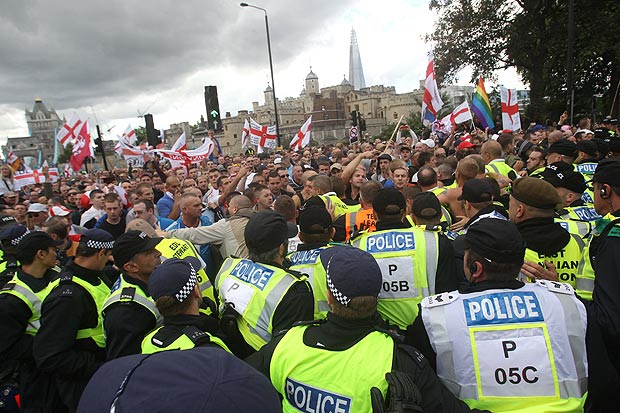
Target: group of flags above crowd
(480,105)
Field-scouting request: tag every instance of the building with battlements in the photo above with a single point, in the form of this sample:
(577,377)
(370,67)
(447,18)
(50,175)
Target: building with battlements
(43,123)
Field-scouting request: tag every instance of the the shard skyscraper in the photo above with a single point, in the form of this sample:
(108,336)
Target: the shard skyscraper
(356,73)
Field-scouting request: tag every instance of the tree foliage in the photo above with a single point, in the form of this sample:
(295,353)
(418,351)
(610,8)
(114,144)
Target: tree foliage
(531,36)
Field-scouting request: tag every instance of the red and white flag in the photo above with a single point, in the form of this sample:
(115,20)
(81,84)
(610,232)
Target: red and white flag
(302,137)
(82,148)
(461,114)
(129,136)
(262,136)
(34,176)
(510,109)
(180,144)
(69,131)
(431,101)
(245,134)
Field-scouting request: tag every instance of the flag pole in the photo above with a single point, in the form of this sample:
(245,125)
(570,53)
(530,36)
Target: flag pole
(55,160)
(395,129)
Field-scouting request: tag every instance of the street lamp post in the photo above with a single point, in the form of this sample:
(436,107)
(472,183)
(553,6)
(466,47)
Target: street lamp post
(273,87)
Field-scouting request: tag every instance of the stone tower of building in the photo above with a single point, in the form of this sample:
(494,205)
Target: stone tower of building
(312,83)
(356,73)
(268,95)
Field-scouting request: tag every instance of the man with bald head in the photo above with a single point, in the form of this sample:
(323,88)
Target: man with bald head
(168,205)
(227,234)
(491,152)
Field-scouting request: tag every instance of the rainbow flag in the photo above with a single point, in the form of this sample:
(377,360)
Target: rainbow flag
(481,106)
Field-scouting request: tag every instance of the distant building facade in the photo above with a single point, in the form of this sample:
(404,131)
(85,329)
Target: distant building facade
(43,123)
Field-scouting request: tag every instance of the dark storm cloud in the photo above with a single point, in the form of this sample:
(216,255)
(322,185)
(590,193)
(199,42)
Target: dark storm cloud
(78,53)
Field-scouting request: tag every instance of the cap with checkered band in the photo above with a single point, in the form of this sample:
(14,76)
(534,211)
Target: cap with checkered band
(174,278)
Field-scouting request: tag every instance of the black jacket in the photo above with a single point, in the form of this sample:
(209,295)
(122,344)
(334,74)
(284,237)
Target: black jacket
(67,309)
(338,334)
(37,389)
(126,324)
(604,326)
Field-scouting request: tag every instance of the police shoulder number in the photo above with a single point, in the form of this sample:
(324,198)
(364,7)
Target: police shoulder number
(556,287)
(440,299)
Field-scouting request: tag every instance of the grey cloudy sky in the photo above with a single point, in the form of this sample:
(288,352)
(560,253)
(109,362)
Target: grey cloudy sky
(124,56)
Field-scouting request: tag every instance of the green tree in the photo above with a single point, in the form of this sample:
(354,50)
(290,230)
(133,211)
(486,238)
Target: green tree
(530,36)
(63,157)
(140,134)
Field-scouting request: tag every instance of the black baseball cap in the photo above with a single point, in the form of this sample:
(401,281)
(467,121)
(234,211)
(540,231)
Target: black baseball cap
(564,147)
(314,220)
(608,172)
(496,240)
(267,230)
(131,243)
(389,201)
(35,241)
(562,175)
(426,205)
(476,190)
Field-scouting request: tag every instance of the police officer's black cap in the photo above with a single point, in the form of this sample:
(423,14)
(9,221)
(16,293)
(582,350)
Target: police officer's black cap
(496,240)
(33,242)
(174,278)
(174,381)
(13,234)
(97,239)
(426,205)
(314,220)
(613,121)
(608,172)
(267,230)
(602,147)
(476,190)
(131,243)
(535,192)
(601,133)
(389,201)
(6,221)
(588,147)
(613,143)
(564,147)
(562,175)
(351,272)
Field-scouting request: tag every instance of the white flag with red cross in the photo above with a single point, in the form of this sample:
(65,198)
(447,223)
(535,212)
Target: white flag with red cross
(510,109)
(262,136)
(69,131)
(302,137)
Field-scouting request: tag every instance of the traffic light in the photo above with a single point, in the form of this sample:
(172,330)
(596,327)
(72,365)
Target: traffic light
(99,145)
(152,134)
(354,118)
(212,105)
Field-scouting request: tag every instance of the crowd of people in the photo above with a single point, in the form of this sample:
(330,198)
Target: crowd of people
(470,271)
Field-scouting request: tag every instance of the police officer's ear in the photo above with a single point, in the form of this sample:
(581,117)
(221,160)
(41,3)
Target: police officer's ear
(605,191)
(332,232)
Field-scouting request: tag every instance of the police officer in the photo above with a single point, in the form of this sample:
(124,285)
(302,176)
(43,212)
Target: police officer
(9,238)
(70,344)
(20,313)
(414,262)
(349,225)
(258,296)
(175,289)
(129,312)
(315,232)
(575,215)
(532,208)
(601,259)
(500,344)
(332,365)
(477,199)
(176,248)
